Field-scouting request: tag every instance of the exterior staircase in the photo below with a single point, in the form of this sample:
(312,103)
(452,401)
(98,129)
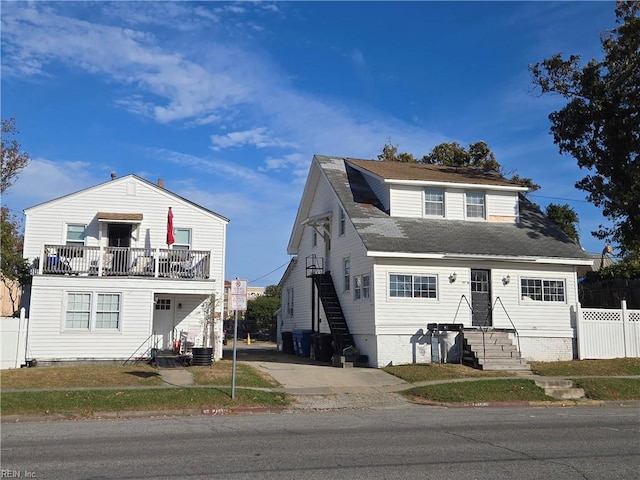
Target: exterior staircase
(342,338)
(491,350)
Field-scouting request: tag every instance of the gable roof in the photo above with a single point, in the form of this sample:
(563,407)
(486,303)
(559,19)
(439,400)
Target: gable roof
(159,189)
(420,172)
(534,237)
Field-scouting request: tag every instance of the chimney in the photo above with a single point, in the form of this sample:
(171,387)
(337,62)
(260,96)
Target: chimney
(161,183)
(113,175)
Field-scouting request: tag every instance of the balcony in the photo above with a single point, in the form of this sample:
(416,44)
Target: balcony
(123,262)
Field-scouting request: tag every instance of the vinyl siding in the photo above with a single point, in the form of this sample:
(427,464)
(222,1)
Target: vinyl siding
(406,201)
(502,206)
(46,224)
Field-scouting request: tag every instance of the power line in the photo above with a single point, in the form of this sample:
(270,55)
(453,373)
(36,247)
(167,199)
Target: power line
(274,270)
(558,198)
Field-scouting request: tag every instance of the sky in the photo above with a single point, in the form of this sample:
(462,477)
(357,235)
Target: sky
(228,102)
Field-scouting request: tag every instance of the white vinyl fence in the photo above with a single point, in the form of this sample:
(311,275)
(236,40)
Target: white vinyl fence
(13,340)
(608,333)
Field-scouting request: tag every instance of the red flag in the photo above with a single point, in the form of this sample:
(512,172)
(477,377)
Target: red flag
(170,238)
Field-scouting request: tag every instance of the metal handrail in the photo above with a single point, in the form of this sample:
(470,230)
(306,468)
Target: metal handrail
(139,347)
(515,330)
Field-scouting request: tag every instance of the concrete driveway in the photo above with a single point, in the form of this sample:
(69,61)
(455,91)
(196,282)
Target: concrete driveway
(319,385)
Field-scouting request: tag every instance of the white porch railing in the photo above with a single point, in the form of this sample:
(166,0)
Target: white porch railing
(124,262)
(608,333)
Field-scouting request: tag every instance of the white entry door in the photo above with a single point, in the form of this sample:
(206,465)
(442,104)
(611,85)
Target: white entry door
(163,322)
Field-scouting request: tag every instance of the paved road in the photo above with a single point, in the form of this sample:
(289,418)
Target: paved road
(411,442)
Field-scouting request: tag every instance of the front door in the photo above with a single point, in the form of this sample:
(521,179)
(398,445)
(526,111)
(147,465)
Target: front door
(119,236)
(481,298)
(163,322)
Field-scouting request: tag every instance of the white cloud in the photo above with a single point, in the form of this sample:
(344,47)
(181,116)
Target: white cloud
(44,180)
(258,137)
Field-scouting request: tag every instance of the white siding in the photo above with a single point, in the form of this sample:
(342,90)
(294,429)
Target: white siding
(502,206)
(454,204)
(380,189)
(401,322)
(46,224)
(406,201)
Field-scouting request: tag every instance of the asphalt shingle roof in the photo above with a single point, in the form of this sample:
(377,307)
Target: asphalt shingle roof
(534,236)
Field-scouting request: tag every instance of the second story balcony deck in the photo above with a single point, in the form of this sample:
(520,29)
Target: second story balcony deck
(123,262)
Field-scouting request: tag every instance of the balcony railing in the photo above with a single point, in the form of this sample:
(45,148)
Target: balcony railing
(124,262)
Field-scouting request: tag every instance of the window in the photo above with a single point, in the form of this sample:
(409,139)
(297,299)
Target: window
(366,286)
(82,313)
(361,287)
(108,310)
(416,286)
(78,310)
(314,238)
(434,202)
(475,205)
(541,290)
(347,274)
(75,235)
(163,304)
(75,238)
(290,301)
(183,238)
(342,222)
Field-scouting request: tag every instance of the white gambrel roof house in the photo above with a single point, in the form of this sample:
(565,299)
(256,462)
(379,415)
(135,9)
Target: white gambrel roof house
(404,250)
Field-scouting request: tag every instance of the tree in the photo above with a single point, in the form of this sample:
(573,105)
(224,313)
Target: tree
(452,154)
(565,218)
(600,124)
(14,268)
(272,291)
(261,311)
(13,160)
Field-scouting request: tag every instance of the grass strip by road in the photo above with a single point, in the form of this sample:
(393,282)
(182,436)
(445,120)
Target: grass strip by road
(88,402)
(609,388)
(80,376)
(420,372)
(479,391)
(105,376)
(220,374)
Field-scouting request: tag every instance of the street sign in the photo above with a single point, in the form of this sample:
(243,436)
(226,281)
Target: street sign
(238,294)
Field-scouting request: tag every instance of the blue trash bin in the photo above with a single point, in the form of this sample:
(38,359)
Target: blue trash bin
(302,342)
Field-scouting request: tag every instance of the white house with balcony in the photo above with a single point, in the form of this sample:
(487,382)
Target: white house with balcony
(107,286)
(389,257)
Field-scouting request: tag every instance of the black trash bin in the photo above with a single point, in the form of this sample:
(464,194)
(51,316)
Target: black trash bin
(323,344)
(287,343)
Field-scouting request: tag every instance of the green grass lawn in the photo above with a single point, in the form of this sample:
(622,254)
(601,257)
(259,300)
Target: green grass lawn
(478,391)
(588,368)
(87,402)
(439,371)
(220,374)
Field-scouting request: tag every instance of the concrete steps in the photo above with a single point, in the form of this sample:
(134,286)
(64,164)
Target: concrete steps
(492,350)
(560,388)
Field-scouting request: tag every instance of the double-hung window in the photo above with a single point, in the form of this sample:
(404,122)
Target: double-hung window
(290,302)
(342,222)
(434,202)
(413,286)
(346,269)
(314,238)
(75,239)
(93,311)
(542,290)
(475,205)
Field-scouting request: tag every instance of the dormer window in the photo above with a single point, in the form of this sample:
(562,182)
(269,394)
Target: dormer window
(475,205)
(434,202)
